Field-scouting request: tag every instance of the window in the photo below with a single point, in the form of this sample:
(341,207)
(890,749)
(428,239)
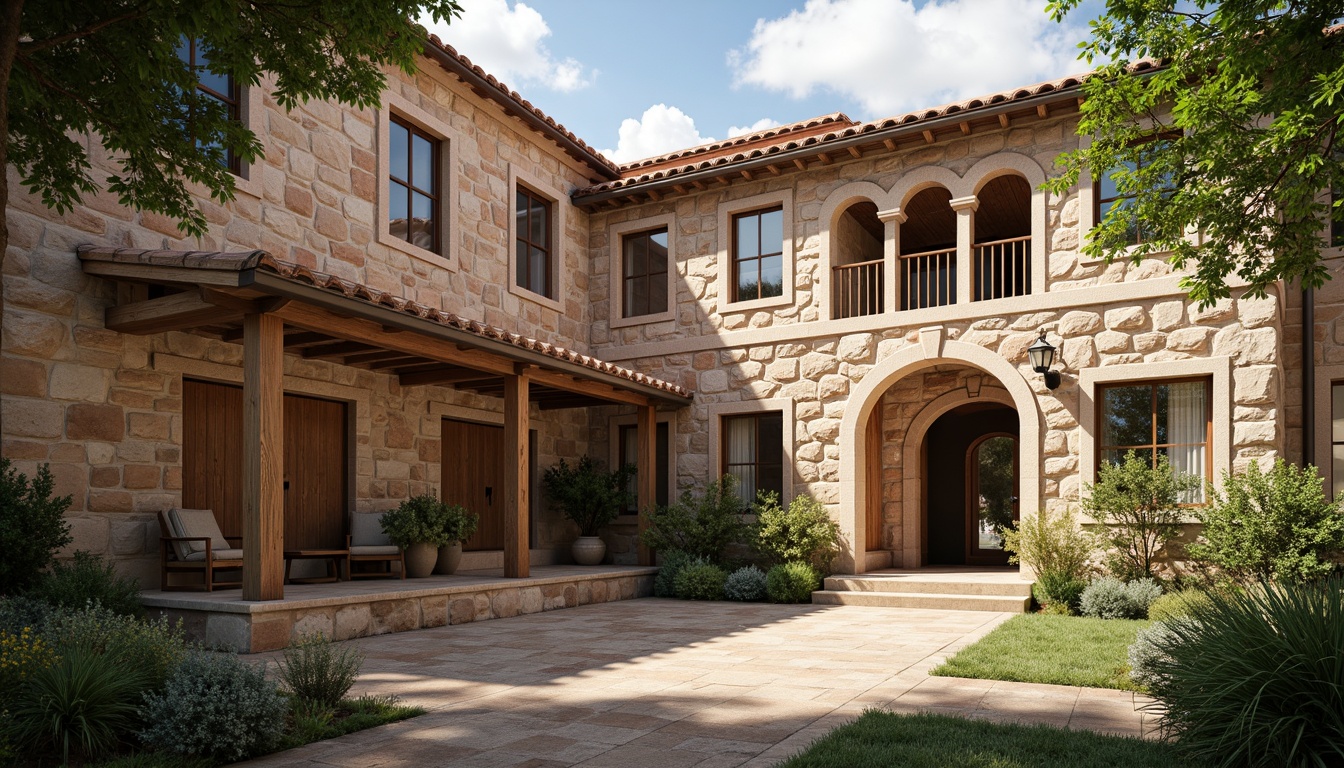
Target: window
(644,273)
(1106,193)
(758,254)
(1337,439)
(413,185)
(1171,418)
(628,450)
(216,87)
(753,453)
(533,244)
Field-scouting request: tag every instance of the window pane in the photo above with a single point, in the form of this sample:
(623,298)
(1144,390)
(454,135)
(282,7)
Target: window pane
(220,84)
(637,297)
(538,271)
(772,276)
(741,439)
(398,142)
(1127,416)
(540,223)
(1161,398)
(1338,471)
(1186,411)
(520,256)
(629,262)
(771,449)
(398,202)
(658,294)
(639,256)
(423,207)
(772,232)
(747,278)
(422,155)
(659,239)
(747,243)
(184,49)
(1337,396)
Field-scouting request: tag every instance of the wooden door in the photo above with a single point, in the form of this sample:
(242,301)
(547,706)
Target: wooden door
(473,475)
(316,457)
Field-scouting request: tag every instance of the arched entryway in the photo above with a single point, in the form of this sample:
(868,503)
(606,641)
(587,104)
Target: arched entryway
(969,484)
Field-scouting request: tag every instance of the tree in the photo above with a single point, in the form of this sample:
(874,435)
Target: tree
(1137,501)
(110,69)
(1246,107)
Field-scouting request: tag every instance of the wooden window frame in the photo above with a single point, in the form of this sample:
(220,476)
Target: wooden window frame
(724,463)
(1098,201)
(1330,395)
(630,431)
(521,236)
(738,260)
(650,277)
(232,102)
(1153,384)
(409,184)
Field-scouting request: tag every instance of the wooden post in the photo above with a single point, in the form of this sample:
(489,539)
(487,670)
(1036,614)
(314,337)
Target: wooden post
(516,549)
(646,462)
(263,457)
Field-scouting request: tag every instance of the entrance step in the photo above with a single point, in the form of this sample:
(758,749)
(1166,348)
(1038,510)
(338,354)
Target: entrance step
(959,589)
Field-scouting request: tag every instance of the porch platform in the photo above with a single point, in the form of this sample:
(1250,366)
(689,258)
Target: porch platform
(959,588)
(346,609)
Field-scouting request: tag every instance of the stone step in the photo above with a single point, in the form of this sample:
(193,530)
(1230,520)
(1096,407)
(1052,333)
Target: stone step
(878,583)
(925,600)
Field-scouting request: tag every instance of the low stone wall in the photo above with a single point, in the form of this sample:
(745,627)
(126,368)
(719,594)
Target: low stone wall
(258,627)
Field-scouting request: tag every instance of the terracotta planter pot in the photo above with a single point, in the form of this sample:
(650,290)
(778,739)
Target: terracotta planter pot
(588,550)
(450,556)
(420,559)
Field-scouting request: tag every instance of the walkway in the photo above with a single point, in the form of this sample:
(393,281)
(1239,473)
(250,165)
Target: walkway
(669,684)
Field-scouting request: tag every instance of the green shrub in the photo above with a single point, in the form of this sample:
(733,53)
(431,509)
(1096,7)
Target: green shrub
(21,612)
(215,705)
(792,583)
(587,494)
(703,525)
(1146,652)
(314,670)
(82,704)
(1176,604)
(1138,503)
(310,720)
(670,564)
(745,585)
(1256,677)
(802,531)
(1056,588)
(417,520)
(1111,598)
(700,582)
(31,527)
(1270,526)
(88,578)
(1050,543)
(153,647)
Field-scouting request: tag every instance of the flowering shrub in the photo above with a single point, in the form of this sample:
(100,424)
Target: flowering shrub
(216,706)
(22,654)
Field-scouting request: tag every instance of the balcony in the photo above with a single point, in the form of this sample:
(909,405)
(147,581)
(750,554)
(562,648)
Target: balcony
(857,289)
(928,278)
(1002,268)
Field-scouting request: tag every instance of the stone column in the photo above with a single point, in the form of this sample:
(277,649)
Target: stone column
(891,258)
(965,208)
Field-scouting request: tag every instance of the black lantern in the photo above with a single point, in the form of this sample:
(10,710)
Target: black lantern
(1042,356)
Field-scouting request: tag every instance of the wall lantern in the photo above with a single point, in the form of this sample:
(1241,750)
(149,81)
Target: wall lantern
(1042,356)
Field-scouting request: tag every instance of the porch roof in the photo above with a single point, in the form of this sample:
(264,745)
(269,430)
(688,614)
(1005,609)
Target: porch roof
(330,318)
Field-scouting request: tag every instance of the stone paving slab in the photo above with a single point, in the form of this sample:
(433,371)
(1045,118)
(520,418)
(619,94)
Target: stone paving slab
(657,683)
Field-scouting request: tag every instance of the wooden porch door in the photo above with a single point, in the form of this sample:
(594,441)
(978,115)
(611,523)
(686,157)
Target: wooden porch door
(474,475)
(316,463)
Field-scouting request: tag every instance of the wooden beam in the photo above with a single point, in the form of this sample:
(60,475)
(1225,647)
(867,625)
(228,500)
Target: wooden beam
(824,158)
(306,339)
(174,312)
(1003,119)
(336,349)
(773,169)
(396,362)
(646,431)
(680,189)
(699,185)
(654,195)
(890,144)
(441,375)
(567,383)
(855,153)
(928,136)
(965,128)
(747,175)
(1043,111)
(516,459)
(723,180)
(377,355)
(800,163)
(263,457)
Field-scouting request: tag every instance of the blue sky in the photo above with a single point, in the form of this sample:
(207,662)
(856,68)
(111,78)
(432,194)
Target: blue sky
(636,78)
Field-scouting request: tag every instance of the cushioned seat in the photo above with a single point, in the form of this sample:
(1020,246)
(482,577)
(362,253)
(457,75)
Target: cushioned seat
(388,549)
(192,542)
(219,554)
(368,544)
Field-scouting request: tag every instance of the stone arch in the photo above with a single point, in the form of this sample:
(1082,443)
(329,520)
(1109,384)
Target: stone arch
(922,178)
(835,206)
(932,349)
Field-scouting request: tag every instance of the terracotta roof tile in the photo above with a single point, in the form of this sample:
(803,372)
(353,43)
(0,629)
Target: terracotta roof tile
(810,125)
(239,262)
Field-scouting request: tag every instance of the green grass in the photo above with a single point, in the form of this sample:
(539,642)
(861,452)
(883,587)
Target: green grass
(885,740)
(1041,648)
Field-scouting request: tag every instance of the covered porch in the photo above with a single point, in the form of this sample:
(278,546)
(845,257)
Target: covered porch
(277,310)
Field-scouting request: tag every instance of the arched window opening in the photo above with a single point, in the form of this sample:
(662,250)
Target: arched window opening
(857,278)
(928,261)
(1001,256)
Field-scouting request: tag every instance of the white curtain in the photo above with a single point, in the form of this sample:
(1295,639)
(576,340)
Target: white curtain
(741,458)
(1187,427)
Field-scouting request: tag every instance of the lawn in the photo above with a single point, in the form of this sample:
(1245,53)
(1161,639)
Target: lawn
(1042,648)
(882,739)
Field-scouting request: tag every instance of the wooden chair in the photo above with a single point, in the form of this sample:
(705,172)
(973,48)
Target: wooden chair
(366,543)
(194,544)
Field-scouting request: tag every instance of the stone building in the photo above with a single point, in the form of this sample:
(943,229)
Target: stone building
(830,307)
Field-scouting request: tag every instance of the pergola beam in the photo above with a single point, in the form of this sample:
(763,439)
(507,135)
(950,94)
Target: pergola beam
(517,547)
(264,457)
(646,479)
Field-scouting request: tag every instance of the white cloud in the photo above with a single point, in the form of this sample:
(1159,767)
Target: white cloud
(893,57)
(662,129)
(507,43)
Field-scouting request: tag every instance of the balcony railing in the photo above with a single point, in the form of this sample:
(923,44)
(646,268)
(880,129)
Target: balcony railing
(1002,268)
(928,279)
(857,289)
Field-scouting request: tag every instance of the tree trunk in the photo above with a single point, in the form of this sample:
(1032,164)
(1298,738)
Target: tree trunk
(11,18)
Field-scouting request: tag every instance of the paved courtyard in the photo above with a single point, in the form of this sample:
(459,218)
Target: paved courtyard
(659,683)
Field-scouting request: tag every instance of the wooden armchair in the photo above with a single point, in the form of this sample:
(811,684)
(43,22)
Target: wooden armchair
(193,543)
(366,543)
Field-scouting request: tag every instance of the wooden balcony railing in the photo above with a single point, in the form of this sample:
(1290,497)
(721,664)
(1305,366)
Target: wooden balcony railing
(928,279)
(857,289)
(1002,268)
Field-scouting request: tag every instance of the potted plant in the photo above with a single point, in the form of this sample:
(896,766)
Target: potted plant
(416,526)
(591,497)
(458,525)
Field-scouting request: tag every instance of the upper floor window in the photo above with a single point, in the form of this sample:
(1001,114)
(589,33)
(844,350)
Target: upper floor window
(753,452)
(534,241)
(215,87)
(1170,417)
(758,254)
(1106,191)
(413,185)
(1337,440)
(644,273)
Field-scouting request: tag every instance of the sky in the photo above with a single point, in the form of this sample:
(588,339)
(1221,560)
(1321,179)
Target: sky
(638,78)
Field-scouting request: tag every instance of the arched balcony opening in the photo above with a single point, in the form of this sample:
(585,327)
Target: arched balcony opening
(857,274)
(1001,255)
(927,266)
